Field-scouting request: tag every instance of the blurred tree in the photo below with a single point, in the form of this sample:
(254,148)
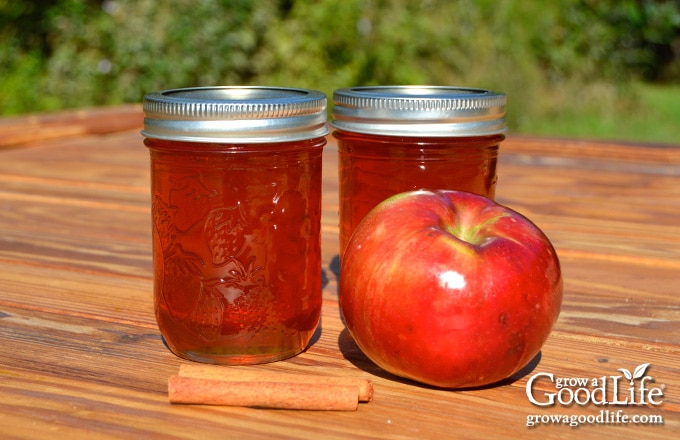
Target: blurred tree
(331,44)
(116,50)
(547,56)
(613,39)
(24,31)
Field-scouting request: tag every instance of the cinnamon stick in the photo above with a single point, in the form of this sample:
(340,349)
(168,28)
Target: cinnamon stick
(364,386)
(280,395)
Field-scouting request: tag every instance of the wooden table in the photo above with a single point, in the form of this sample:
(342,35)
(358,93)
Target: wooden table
(81,356)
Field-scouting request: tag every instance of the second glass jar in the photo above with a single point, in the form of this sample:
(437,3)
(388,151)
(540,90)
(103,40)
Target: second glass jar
(393,139)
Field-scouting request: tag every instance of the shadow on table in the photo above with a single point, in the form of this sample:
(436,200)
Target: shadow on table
(353,354)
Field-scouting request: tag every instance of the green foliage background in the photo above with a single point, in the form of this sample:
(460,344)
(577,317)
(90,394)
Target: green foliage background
(571,67)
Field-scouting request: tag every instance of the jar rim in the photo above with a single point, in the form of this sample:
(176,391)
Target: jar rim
(437,111)
(244,114)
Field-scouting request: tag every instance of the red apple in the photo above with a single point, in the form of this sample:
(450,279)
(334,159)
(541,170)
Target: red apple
(449,288)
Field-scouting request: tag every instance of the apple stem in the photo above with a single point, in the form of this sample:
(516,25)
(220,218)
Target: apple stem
(468,230)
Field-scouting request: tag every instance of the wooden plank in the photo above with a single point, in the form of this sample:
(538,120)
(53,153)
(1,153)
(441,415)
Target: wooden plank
(89,379)
(34,128)
(591,150)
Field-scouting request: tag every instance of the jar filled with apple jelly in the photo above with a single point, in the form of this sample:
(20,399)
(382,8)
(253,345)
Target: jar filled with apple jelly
(393,139)
(236,209)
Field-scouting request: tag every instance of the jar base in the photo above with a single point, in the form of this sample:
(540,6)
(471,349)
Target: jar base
(237,359)
(217,358)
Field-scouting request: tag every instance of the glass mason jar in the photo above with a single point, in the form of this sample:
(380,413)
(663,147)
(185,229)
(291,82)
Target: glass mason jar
(393,139)
(236,207)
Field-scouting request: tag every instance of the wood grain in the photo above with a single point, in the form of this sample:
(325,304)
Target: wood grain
(81,357)
(35,128)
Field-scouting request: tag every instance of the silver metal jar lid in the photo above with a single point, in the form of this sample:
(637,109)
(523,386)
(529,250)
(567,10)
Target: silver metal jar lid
(239,114)
(435,111)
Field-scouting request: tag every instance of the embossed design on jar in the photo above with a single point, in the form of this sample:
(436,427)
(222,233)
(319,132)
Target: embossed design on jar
(180,270)
(246,300)
(217,287)
(191,192)
(206,318)
(223,232)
